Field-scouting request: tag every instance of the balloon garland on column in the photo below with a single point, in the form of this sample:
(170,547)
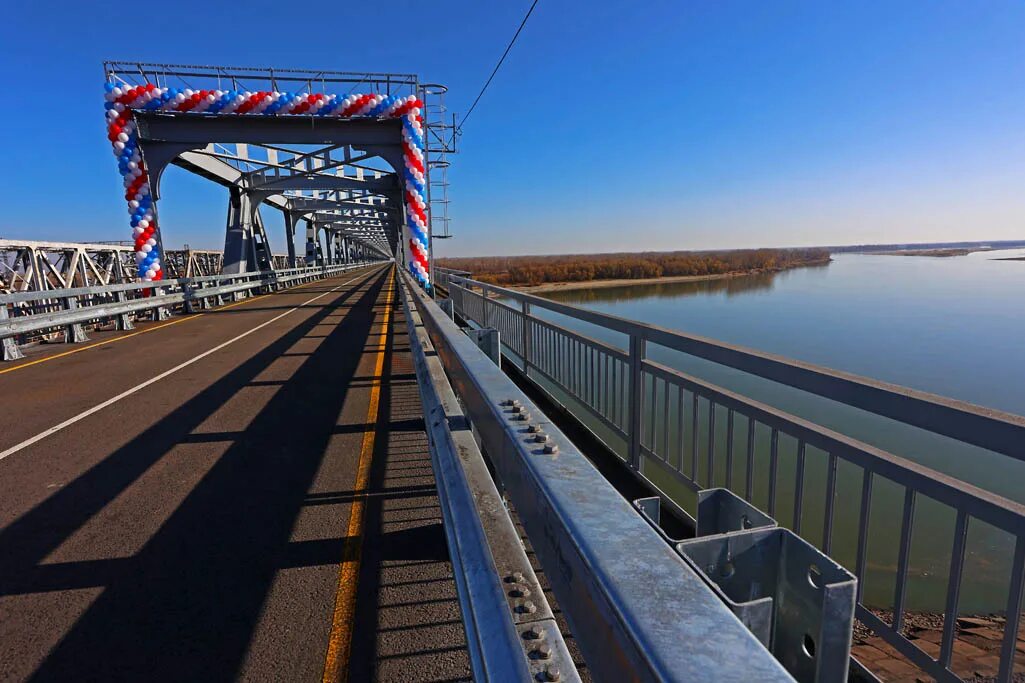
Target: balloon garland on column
(123,100)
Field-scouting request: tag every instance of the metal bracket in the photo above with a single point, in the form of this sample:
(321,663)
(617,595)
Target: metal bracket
(10,347)
(73,333)
(488,341)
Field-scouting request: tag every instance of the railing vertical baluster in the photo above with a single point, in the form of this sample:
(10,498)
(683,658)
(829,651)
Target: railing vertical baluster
(953,588)
(907,524)
(637,345)
(749,484)
(589,374)
(614,403)
(729,448)
(665,420)
(606,380)
(710,478)
(773,468)
(863,517)
(484,306)
(827,527)
(799,489)
(652,412)
(680,436)
(525,330)
(694,437)
(549,351)
(1014,606)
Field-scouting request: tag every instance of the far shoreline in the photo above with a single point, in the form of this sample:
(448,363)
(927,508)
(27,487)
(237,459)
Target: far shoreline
(548,287)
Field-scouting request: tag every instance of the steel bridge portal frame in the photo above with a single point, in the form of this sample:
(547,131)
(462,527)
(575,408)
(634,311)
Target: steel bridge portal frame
(361,209)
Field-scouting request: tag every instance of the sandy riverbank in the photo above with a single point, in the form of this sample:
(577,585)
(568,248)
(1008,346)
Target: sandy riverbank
(623,282)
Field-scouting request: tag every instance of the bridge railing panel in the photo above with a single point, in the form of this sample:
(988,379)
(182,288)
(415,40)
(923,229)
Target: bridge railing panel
(33,315)
(682,434)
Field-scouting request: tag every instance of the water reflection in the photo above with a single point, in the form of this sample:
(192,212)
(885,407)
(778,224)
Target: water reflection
(727,286)
(949,326)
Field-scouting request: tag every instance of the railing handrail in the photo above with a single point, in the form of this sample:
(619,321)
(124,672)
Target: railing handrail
(988,428)
(43,294)
(168,293)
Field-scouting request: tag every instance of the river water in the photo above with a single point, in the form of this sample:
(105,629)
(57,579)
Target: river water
(954,326)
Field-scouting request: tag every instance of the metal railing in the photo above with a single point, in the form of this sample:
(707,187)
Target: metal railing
(511,631)
(28,316)
(667,419)
(635,607)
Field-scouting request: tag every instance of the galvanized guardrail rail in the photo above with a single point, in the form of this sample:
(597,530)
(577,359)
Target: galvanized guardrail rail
(635,607)
(622,389)
(25,316)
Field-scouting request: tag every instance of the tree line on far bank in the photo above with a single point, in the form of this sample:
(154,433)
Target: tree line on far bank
(536,270)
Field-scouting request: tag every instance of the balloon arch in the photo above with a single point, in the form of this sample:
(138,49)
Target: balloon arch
(123,101)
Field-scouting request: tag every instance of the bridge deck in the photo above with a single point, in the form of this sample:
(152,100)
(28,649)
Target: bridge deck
(208,526)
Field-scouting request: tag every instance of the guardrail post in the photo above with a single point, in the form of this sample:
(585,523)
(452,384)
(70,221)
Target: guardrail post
(74,333)
(448,307)
(525,337)
(637,348)
(189,295)
(122,322)
(488,341)
(160,312)
(10,347)
(484,306)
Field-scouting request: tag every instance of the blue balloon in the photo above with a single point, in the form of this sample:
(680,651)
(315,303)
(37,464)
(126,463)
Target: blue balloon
(108,86)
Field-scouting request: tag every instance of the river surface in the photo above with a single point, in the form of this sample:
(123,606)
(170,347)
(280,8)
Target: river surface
(954,326)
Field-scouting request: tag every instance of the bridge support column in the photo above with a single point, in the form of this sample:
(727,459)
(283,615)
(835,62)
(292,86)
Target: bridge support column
(245,241)
(329,255)
(290,238)
(313,253)
(238,238)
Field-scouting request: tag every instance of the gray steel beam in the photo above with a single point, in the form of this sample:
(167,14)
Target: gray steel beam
(302,130)
(281,183)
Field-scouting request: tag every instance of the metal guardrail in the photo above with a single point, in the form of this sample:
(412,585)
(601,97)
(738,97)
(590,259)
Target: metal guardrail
(37,312)
(630,395)
(442,275)
(494,577)
(636,609)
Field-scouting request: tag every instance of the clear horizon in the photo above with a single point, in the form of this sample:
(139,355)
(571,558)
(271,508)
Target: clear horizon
(609,128)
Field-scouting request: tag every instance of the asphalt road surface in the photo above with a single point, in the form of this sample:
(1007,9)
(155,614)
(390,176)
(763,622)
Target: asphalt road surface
(240,494)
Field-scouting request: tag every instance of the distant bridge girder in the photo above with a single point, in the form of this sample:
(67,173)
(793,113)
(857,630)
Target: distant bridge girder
(313,181)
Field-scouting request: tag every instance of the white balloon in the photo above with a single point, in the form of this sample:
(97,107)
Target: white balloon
(144,224)
(147,248)
(151,242)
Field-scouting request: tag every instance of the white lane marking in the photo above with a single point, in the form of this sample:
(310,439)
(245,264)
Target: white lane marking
(110,401)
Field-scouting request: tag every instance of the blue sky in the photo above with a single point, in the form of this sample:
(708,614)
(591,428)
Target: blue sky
(612,126)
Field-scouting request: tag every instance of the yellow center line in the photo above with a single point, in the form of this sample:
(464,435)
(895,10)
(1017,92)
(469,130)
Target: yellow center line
(186,318)
(336,664)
